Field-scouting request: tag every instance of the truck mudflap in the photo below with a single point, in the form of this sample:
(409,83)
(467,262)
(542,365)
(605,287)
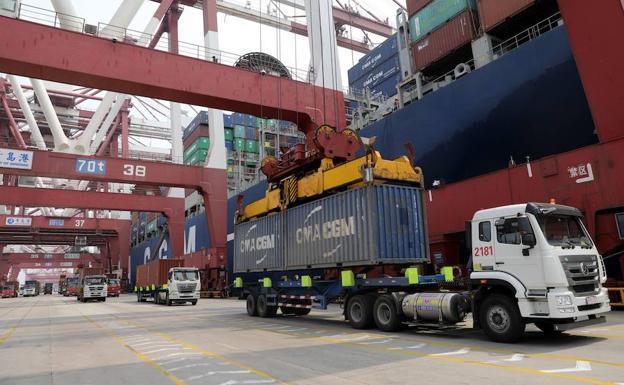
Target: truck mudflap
(581,324)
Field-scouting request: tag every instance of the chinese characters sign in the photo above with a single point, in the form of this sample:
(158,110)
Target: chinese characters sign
(10,158)
(18,221)
(583,172)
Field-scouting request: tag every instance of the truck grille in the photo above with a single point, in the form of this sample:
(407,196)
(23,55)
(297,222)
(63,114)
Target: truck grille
(186,287)
(582,273)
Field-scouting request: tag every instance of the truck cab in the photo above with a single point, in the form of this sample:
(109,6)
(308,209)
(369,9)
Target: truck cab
(534,263)
(47,288)
(113,287)
(31,288)
(71,285)
(183,285)
(92,287)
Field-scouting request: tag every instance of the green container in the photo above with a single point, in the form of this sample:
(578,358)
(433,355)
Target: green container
(261,123)
(239,144)
(251,146)
(239,131)
(435,14)
(197,157)
(201,143)
(229,134)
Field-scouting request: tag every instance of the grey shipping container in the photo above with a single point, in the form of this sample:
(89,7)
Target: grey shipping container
(258,245)
(370,225)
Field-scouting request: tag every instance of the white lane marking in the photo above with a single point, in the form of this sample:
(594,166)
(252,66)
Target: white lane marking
(417,346)
(189,366)
(227,346)
(454,353)
(516,358)
(319,331)
(166,349)
(376,342)
(234,382)
(193,378)
(146,343)
(359,338)
(591,330)
(155,346)
(180,360)
(293,330)
(581,366)
(182,354)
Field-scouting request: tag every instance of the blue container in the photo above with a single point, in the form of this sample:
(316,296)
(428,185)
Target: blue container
(250,133)
(381,73)
(227,121)
(143,216)
(252,121)
(375,57)
(161,220)
(364,226)
(201,118)
(386,88)
(229,145)
(238,118)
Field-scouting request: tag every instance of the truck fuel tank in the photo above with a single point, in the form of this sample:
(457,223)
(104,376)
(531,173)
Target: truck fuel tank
(448,308)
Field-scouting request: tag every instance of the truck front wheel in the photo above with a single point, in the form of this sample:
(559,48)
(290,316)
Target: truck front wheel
(360,311)
(501,319)
(385,314)
(252,309)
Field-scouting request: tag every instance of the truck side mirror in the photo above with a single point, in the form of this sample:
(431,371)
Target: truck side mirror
(528,239)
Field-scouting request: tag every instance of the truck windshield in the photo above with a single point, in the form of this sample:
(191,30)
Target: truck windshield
(564,230)
(113,282)
(72,282)
(188,275)
(94,281)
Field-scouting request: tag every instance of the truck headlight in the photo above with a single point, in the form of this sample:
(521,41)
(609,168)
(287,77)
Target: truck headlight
(566,310)
(564,300)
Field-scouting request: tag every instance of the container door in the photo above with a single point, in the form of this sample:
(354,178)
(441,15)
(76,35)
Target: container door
(509,256)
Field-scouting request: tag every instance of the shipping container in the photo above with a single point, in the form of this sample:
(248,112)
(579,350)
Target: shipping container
(251,132)
(386,88)
(251,146)
(151,226)
(259,245)
(229,146)
(228,133)
(378,75)
(227,121)
(201,143)
(199,132)
(200,119)
(414,6)
(239,144)
(454,34)
(197,157)
(435,15)
(142,216)
(494,12)
(239,131)
(155,272)
(378,55)
(371,225)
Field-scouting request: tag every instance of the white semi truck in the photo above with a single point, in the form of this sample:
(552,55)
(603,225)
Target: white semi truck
(529,263)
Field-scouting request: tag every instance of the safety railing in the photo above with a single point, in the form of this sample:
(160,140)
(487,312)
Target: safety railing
(125,35)
(527,35)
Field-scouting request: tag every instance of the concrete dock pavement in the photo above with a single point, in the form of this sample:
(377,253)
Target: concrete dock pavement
(58,340)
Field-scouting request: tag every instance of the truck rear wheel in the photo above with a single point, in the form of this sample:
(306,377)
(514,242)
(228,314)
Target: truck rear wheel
(360,311)
(264,309)
(501,319)
(252,309)
(385,314)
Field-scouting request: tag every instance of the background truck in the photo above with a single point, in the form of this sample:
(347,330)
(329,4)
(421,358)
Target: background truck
(166,281)
(62,284)
(114,287)
(91,284)
(10,289)
(71,285)
(48,288)
(31,288)
(367,248)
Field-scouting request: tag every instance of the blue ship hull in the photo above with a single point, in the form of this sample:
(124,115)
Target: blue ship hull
(529,102)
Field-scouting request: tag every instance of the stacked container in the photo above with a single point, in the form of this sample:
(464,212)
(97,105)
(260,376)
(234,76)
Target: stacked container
(439,28)
(494,12)
(414,6)
(379,71)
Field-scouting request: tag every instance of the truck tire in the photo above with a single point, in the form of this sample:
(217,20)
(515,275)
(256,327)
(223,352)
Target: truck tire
(385,314)
(264,309)
(168,302)
(360,311)
(547,328)
(104,299)
(252,308)
(501,319)
(194,302)
(299,311)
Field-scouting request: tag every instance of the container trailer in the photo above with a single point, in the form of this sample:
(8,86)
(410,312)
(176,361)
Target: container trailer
(530,263)
(167,281)
(91,284)
(31,288)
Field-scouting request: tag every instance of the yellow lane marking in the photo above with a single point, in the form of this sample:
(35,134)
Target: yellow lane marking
(9,333)
(140,355)
(208,353)
(449,358)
